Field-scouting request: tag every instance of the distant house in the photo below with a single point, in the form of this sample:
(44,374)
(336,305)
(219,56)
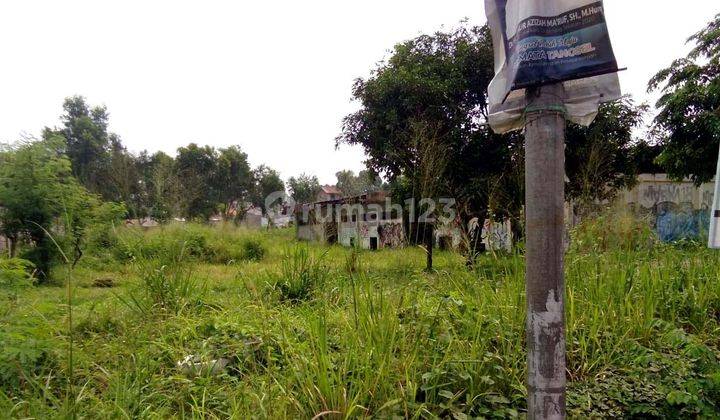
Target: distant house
(328,193)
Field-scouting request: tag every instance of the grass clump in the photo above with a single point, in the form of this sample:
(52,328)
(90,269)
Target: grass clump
(300,276)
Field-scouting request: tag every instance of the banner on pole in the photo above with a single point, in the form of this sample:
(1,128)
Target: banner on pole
(540,42)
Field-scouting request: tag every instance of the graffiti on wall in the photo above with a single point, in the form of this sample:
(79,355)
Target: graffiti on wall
(679,210)
(652,194)
(677,222)
(391,235)
(497,236)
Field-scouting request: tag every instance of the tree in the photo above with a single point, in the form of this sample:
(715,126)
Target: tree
(351,184)
(267,181)
(124,181)
(233,179)
(435,86)
(688,122)
(37,195)
(304,188)
(162,185)
(196,167)
(88,143)
(600,158)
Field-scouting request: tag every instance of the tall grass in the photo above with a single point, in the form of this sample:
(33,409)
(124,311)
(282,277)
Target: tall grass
(341,333)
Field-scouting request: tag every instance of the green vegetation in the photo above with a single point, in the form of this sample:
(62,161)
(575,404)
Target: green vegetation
(296,330)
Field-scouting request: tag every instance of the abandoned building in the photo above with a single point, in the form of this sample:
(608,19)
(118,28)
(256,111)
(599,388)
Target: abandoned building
(328,193)
(365,221)
(370,221)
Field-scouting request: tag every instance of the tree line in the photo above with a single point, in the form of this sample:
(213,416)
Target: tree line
(197,182)
(69,187)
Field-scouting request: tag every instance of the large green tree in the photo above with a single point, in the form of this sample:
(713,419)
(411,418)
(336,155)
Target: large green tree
(85,130)
(688,122)
(233,178)
(267,181)
(304,188)
(40,196)
(124,181)
(162,185)
(364,181)
(431,94)
(196,167)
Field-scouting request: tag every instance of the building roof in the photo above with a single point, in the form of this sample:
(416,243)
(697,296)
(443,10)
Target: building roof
(331,189)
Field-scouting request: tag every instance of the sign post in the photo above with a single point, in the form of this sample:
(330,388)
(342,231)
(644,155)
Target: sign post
(544,277)
(553,63)
(714,232)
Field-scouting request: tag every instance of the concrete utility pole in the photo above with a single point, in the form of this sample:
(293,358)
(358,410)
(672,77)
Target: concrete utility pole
(544,278)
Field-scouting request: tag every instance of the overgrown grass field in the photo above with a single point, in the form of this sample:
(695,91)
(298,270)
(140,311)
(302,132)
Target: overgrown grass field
(271,328)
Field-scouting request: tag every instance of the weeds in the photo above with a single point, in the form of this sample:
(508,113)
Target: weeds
(317,332)
(300,276)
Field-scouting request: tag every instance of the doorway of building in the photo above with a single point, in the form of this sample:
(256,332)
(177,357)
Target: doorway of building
(373,244)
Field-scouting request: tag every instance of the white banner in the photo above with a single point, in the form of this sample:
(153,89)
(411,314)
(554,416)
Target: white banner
(539,42)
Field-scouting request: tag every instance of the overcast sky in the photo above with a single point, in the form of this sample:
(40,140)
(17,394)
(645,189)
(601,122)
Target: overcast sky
(271,76)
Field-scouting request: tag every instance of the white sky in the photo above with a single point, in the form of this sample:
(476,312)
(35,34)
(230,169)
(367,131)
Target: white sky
(271,76)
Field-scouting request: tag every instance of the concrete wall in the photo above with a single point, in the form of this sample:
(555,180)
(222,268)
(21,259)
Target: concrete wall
(387,232)
(4,246)
(678,210)
(311,233)
(252,220)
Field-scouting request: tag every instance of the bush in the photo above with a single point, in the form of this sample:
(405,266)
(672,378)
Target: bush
(253,250)
(165,289)
(24,357)
(300,275)
(15,272)
(189,243)
(612,230)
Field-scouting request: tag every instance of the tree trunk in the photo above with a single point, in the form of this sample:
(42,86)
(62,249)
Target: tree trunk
(429,236)
(544,199)
(42,263)
(12,242)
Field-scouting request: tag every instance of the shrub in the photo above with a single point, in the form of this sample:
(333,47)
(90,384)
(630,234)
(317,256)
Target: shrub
(23,357)
(612,229)
(253,250)
(15,272)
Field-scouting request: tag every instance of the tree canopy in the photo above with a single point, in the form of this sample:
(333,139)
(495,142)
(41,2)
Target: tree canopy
(38,192)
(433,89)
(304,188)
(688,122)
(351,184)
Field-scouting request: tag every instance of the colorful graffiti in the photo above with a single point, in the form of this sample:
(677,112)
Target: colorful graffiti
(679,210)
(675,223)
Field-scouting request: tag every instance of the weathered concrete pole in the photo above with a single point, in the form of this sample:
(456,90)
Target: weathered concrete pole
(544,279)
